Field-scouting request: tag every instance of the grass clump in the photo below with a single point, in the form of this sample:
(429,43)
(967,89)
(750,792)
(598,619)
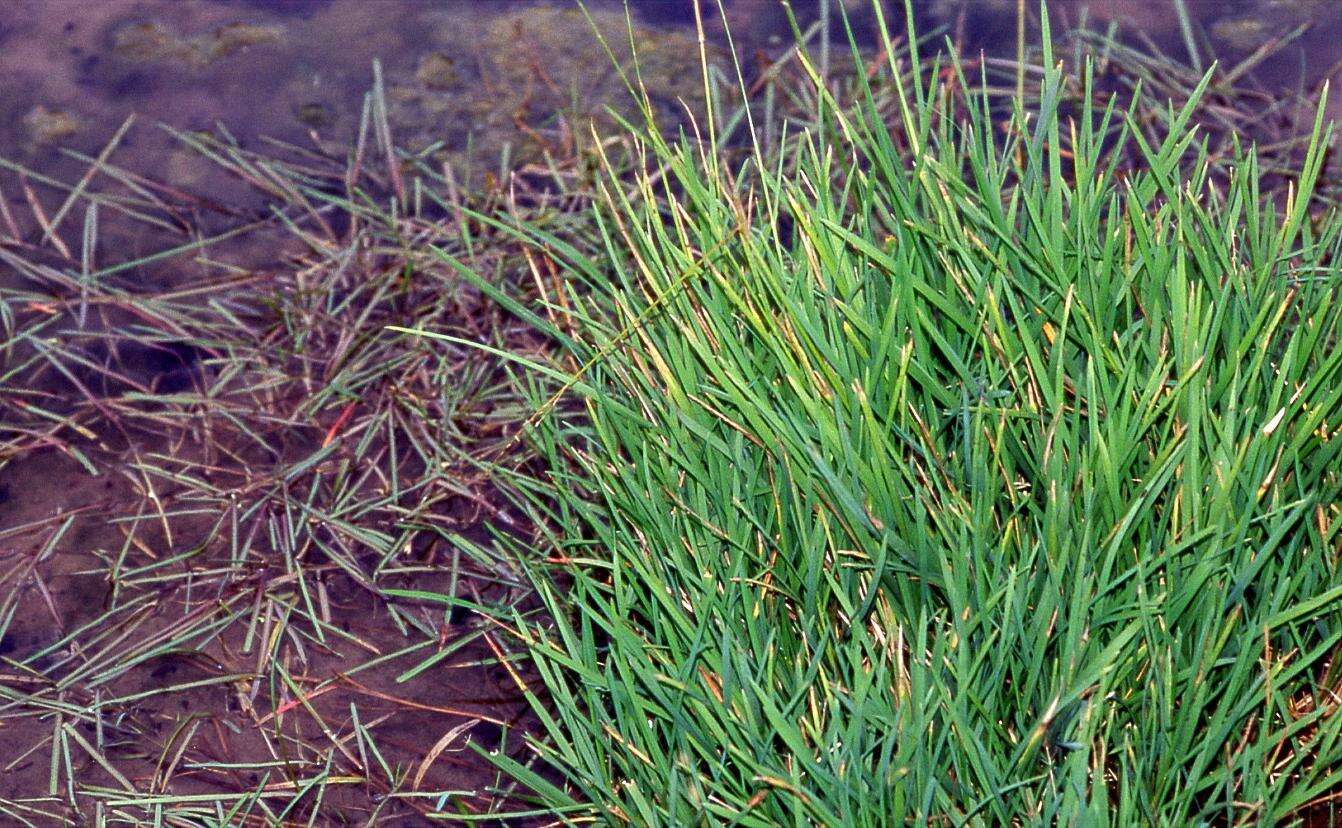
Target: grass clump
(977,482)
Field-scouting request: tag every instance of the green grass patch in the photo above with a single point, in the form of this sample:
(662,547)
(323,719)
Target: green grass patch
(936,468)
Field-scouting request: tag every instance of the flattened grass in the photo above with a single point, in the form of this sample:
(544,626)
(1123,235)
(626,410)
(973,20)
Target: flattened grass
(945,471)
(219,493)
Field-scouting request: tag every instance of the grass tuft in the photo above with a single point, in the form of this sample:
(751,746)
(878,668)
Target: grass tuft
(936,467)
